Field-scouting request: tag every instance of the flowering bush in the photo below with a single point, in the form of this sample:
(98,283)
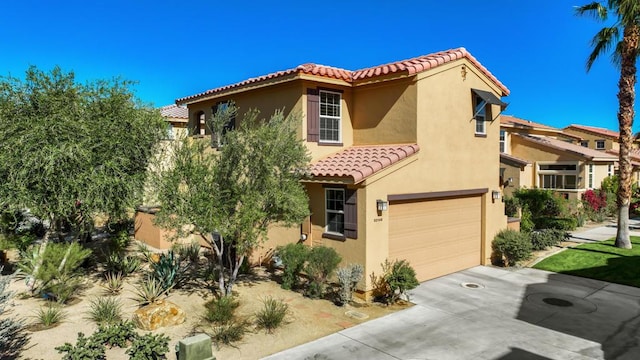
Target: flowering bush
(595,199)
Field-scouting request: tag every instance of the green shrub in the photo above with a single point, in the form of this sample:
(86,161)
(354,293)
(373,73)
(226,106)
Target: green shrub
(293,257)
(399,277)
(50,315)
(52,267)
(272,314)
(567,224)
(105,310)
(64,287)
(321,263)
(123,264)
(119,241)
(545,238)
(230,332)
(149,347)
(189,252)
(220,310)
(511,206)
(348,278)
(120,334)
(169,271)
(149,291)
(85,349)
(511,245)
(113,283)
(526,222)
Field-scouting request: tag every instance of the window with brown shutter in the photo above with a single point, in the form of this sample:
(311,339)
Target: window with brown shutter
(351,214)
(313,115)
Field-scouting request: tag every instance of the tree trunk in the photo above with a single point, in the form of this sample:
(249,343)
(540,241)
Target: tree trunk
(626,100)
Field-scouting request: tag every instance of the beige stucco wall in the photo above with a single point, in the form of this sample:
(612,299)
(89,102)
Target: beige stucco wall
(385,113)
(609,143)
(515,172)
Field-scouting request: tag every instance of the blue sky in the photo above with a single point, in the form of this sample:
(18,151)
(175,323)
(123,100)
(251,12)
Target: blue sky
(178,48)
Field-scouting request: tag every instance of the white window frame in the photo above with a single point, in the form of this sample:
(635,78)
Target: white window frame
(561,173)
(503,141)
(584,143)
(590,175)
(328,211)
(330,117)
(600,142)
(480,115)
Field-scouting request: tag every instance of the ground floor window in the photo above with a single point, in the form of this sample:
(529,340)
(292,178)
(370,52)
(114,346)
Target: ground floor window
(334,211)
(553,181)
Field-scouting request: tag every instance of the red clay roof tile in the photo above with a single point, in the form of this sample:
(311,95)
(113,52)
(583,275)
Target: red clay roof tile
(595,130)
(174,111)
(359,162)
(585,152)
(411,66)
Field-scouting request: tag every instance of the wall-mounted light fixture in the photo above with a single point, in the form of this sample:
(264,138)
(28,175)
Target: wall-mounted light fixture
(495,195)
(382,205)
(303,237)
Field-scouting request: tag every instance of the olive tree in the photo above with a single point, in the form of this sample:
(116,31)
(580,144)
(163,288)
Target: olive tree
(69,151)
(230,196)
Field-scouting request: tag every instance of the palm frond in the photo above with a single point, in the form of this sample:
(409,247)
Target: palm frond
(628,11)
(594,9)
(602,42)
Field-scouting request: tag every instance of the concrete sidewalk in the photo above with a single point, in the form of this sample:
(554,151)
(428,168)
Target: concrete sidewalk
(493,313)
(604,232)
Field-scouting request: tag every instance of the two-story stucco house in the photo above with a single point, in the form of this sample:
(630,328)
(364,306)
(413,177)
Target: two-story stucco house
(404,157)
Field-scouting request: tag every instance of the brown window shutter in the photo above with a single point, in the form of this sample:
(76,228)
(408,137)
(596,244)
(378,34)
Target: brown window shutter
(351,214)
(313,115)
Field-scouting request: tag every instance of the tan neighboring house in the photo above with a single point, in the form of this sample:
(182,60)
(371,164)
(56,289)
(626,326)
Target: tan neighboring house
(597,138)
(177,118)
(404,161)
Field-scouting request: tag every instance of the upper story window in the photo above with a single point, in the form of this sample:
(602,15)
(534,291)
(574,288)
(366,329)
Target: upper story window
(480,114)
(330,113)
(584,143)
(599,144)
(503,141)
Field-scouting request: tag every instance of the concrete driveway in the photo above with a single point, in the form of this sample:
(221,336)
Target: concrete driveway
(491,313)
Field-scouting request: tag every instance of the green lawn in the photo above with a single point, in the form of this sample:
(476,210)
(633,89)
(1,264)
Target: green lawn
(601,261)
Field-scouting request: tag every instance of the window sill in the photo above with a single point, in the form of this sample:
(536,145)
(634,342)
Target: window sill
(334,236)
(320,143)
(481,135)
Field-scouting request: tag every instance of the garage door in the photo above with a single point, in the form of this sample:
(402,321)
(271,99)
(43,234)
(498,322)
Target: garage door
(437,237)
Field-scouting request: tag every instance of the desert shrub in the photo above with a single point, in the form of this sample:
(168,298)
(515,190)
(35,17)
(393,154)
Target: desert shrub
(511,245)
(149,290)
(511,206)
(220,310)
(190,252)
(399,277)
(149,347)
(272,314)
(119,334)
(526,222)
(123,264)
(293,257)
(113,283)
(86,348)
(119,241)
(105,310)
(50,314)
(348,278)
(321,263)
(19,229)
(542,239)
(170,271)
(556,223)
(230,332)
(594,199)
(13,336)
(64,287)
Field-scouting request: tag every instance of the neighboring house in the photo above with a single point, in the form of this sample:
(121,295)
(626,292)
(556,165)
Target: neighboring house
(597,138)
(404,161)
(177,118)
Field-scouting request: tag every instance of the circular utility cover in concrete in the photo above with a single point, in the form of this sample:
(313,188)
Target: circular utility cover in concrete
(563,302)
(471,285)
(356,315)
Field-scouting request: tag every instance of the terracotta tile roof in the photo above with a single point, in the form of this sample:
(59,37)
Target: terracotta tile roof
(634,153)
(595,130)
(504,156)
(359,162)
(409,67)
(517,122)
(582,151)
(174,111)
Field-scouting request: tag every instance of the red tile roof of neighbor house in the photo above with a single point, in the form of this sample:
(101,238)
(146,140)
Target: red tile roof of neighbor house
(174,111)
(595,130)
(407,67)
(359,162)
(582,151)
(512,120)
(633,153)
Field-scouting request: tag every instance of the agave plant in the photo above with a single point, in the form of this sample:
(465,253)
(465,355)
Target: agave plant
(149,291)
(169,270)
(113,283)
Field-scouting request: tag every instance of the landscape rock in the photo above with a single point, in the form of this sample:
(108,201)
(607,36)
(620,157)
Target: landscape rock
(157,315)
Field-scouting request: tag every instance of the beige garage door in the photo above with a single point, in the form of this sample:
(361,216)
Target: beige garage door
(437,237)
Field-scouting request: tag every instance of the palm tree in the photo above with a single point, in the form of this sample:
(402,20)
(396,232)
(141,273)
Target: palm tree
(625,53)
